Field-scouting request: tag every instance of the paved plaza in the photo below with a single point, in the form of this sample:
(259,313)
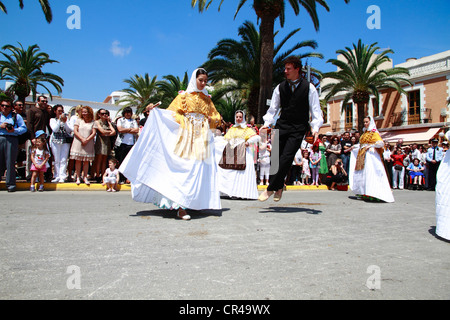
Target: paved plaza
(313,244)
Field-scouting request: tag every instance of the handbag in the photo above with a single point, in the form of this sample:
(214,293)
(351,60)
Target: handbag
(233,158)
(398,167)
(309,138)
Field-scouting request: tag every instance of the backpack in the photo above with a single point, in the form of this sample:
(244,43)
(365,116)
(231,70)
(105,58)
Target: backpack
(24,136)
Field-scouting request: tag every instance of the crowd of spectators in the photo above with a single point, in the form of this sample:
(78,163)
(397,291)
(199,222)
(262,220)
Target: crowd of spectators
(81,147)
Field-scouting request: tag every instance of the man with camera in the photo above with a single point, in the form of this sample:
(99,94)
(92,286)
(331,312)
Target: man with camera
(9,142)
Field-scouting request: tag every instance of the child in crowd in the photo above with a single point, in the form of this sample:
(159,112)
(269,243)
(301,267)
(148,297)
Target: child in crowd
(296,168)
(264,162)
(39,159)
(314,163)
(111,176)
(306,172)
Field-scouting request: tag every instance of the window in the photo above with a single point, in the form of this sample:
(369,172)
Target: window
(376,107)
(414,107)
(348,115)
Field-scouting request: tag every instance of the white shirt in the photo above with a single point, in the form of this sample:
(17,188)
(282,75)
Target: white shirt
(126,138)
(314,108)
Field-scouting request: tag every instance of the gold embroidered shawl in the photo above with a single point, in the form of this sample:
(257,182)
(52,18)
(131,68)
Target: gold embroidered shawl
(191,111)
(235,135)
(366,139)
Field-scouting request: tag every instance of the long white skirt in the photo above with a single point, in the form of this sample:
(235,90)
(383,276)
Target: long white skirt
(237,183)
(160,177)
(443,198)
(372,181)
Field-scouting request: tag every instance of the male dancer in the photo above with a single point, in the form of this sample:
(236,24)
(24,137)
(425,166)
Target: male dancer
(298,100)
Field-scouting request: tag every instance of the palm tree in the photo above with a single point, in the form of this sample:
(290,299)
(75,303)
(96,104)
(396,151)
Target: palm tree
(45,8)
(24,67)
(360,76)
(168,89)
(267,12)
(140,92)
(239,61)
(228,105)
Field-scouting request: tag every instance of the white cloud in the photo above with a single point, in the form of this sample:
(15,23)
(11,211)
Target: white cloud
(119,51)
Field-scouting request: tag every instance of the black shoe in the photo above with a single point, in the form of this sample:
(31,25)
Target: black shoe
(13,189)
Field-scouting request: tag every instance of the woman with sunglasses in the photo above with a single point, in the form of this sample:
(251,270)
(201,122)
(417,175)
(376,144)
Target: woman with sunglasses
(105,130)
(333,151)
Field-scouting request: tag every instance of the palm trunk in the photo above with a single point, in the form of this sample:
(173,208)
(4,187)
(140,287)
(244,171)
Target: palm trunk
(360,110)
(266,65)
(252,104)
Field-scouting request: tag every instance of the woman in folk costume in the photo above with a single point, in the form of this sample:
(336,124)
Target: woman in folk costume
(232,182)
(368,178)
(172,164)
(443,196)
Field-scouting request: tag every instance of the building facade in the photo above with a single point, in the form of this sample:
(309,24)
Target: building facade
(416,117)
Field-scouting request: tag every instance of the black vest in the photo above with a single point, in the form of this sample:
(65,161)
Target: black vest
(294,107)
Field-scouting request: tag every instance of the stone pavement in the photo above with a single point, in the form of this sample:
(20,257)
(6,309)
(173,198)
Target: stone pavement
(313,244)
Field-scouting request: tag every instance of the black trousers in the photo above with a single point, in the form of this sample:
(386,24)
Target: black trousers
(121,152)
(288,143)
(9,147)
(432,171)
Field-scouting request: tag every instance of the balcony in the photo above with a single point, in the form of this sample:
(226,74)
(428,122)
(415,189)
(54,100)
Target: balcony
(399,118)
(339,125)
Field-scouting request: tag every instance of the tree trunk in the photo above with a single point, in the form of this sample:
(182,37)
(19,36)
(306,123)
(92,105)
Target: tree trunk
(266,65)
(252,103)
(360,110)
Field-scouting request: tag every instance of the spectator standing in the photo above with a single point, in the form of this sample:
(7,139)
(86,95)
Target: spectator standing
(9,142)
(105,130)
(323,171)
(38,119)
(434,158)
(333,151)
(314,163)
(60,142)
(39,159)
(297,168)
(264,162)
(398,169)
(388,161)
(306,171)
(128,129)
(83,149)
(346,150)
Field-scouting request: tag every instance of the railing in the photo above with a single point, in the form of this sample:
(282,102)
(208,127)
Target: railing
(399,118)
(339,125)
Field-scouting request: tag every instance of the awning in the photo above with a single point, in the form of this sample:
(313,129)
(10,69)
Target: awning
(417,135)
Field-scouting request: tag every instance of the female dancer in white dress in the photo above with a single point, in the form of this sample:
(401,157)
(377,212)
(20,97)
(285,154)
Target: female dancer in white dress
(172,164)
(443,196)
(368,178)
(238,183)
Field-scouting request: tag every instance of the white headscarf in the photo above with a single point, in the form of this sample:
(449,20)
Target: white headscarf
(192,86)
(243,124)
(372,125)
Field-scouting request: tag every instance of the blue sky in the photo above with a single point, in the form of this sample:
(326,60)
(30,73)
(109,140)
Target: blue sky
(119,39)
